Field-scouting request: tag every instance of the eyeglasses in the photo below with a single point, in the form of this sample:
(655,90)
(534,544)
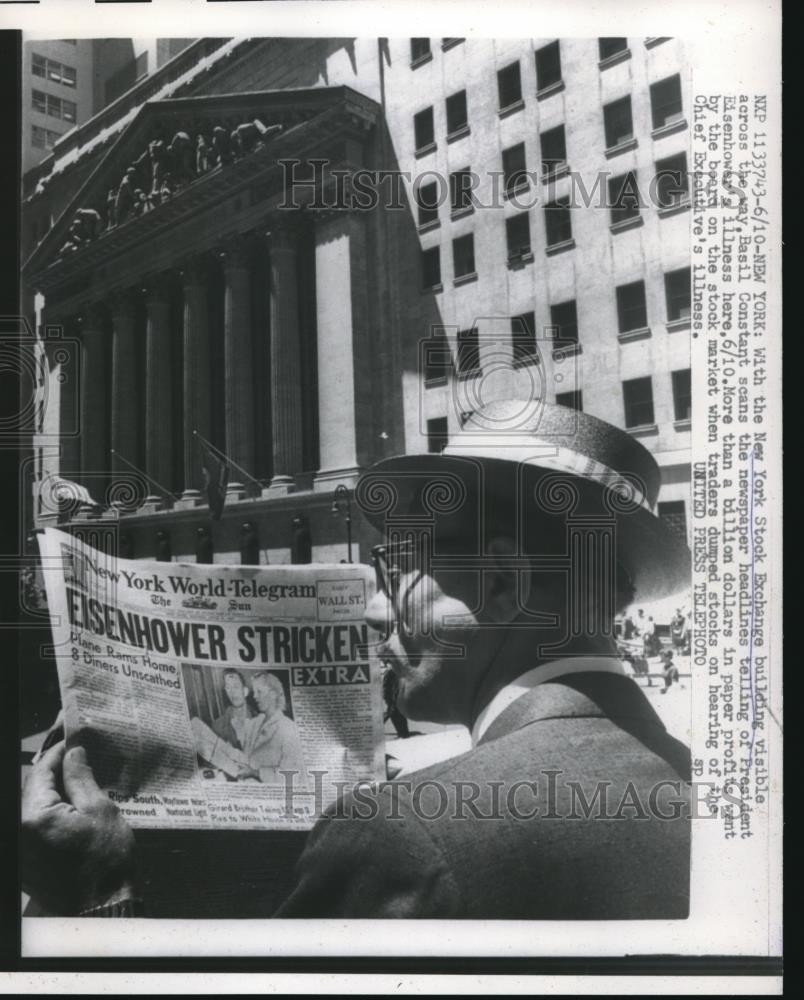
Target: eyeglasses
(391,563)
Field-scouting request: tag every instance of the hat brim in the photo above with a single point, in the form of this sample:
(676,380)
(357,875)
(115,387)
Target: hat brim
(656,560)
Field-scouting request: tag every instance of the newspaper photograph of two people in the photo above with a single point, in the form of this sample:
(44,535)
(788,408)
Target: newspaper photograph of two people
(507,603)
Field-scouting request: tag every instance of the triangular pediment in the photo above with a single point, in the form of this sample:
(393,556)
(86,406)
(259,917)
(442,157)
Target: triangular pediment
(171,155)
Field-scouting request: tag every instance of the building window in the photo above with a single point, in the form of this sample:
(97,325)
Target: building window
(450,43)
(564,320)
(673,513)
(460,191)
(632,312)
(56,107)
(554,150)
(665,102)
(457,117)
(618,122)
(677,294)
(424,130)
(682,394)
(624,199)
(431,268)
(51,70)
(573,400)
(548,66)
(419,50)
(437,358)
(609,47)
(558,222)
(638,399)
(436,435)
(517,235)
(514,172)
(523,340)
(509,85)
(43,138)
(463,255)
(427,202)
(672,182)
(468,352)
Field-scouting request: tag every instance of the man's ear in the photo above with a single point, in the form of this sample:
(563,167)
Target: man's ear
(505,588)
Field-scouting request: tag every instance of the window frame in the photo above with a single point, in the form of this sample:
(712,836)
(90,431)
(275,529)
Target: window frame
(524,348)
(629,387)
(669,277)
(550,211)
(622,309)
(434,436)
(516,178)
(467,341)
(557,324)
(463,127)
(547,86)
(520,250)
(612,112)
(557,164)
(428,254)
(681,382)
(513,68)
(676,116)
(420,148)
(458,243)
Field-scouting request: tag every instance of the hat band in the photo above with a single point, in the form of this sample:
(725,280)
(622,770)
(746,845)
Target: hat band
(628,488)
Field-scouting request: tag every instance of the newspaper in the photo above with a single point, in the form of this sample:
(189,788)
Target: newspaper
(215,697)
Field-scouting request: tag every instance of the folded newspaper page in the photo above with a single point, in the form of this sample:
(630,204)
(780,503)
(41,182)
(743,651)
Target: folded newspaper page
(215,697)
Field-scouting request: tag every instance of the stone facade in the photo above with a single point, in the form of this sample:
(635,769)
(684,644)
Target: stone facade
(289,329)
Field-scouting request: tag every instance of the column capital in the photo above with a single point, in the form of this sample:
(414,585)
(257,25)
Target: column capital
(194,270)
(156,287)
(91,318)
(282,234)
(123,302)
(235,253)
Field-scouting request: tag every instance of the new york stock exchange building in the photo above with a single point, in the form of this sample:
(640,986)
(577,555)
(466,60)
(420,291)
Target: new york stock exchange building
(303,255)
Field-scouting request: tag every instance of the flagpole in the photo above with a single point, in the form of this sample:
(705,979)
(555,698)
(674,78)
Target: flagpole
(145,475)
(225,457)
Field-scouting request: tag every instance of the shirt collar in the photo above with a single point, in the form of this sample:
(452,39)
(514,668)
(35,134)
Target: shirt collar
(538,675)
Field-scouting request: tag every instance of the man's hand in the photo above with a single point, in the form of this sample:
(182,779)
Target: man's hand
(247,772)
(77,851)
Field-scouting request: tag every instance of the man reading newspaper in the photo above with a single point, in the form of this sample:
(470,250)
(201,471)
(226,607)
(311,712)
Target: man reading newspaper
(573,801)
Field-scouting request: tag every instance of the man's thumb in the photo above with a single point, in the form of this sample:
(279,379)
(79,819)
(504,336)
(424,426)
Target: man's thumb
(79,781)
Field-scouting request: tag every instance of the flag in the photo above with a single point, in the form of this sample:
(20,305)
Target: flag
(216,479)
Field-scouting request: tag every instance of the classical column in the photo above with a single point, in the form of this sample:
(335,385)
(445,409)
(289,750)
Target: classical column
(158,397)
(125,402)
(286,404)
(345,414)
(64,366)
(196,375)
(94,393)
(238,366)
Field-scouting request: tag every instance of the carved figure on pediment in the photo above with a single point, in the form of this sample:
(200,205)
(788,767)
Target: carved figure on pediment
(221,146)
(159,165)
(125,196)
(248,136)
(142,170)
(111,209)
(202,155)
(87,225)
(167,189)
(182,158)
